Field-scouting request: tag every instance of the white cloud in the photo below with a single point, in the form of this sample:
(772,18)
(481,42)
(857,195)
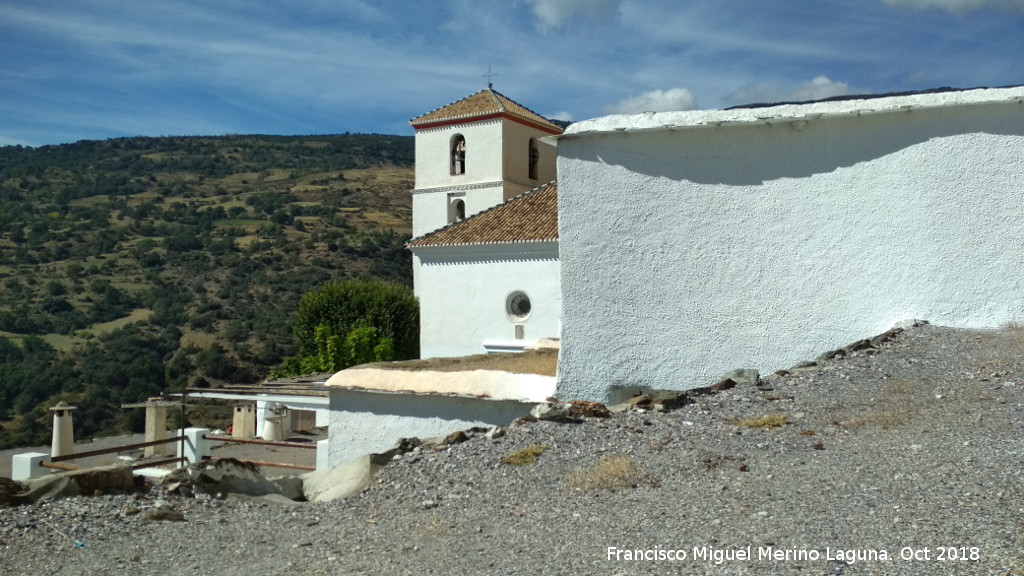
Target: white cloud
(820,87)
(816,89)
(655,101)
(563,115)
(553,14)
(918,76)
(957,6)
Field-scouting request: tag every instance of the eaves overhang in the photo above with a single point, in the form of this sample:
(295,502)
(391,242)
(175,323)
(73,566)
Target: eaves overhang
(791,113)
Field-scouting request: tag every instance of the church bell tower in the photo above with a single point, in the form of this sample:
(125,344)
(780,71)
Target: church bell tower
(474,154)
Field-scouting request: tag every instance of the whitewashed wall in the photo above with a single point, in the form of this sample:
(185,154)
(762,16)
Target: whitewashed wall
(372,420)
(462,292)
(695,243)
(516,145)
(370,423)
(430,206)
(483,154)
(481,184)
(497,169)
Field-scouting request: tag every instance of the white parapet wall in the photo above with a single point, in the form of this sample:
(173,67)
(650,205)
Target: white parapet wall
(372,409)
(693,243)
(463,292)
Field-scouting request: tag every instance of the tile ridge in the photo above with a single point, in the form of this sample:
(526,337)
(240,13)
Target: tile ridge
(452,103)
(478,214)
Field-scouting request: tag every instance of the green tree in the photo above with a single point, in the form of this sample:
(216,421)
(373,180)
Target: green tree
(362,345)
(358,321)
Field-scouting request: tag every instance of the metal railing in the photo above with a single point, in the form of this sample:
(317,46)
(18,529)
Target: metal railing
(261,442)
(57,462)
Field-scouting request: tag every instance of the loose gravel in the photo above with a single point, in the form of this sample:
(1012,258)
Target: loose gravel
(905,459)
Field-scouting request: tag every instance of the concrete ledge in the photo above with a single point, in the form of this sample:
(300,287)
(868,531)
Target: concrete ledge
(481,384)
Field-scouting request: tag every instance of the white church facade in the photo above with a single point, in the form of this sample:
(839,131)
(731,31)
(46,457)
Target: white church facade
(485,227)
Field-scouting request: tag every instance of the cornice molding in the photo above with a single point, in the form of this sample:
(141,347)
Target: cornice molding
(477,186)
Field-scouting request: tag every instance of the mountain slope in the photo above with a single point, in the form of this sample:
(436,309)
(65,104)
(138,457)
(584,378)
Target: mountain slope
(193,249)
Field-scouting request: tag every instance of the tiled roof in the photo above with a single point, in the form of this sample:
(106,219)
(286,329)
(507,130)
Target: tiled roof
(529,217)
(485,103)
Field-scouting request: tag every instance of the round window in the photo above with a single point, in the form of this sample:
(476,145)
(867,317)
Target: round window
(517,305)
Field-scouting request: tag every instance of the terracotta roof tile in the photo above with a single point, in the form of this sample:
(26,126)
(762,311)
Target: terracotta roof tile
(483,103)
(529,217)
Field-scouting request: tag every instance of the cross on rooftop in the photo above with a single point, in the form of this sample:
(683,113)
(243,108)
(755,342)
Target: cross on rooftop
(489,75)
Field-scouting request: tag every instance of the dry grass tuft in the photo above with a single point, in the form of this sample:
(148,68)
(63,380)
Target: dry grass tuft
(610,473)
(899,401)
(769,421)
(434,527)
(526,456)
(1015,330)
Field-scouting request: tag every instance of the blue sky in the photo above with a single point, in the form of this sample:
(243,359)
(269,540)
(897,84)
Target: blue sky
(96,69)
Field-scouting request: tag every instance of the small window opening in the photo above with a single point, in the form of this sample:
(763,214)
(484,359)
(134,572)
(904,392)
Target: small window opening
(458,211)
(458,162)
(534,158)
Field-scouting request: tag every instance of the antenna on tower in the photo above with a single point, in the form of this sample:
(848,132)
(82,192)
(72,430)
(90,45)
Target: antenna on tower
(489,75)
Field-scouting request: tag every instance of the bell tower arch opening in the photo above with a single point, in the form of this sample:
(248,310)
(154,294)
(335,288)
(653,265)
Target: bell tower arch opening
(458,155)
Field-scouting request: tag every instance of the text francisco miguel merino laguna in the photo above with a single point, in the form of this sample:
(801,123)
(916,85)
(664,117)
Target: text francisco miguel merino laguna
(719,556)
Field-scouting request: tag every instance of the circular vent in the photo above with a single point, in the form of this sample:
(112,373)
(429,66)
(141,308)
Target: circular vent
(518,306)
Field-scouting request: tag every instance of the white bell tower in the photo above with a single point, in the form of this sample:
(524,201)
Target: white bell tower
(474,154)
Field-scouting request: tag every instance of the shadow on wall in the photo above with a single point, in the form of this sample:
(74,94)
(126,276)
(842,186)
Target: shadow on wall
(433,406)
(750,155)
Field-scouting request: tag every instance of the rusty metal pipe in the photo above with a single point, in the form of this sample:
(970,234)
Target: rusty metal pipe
(272,464)
(156,463)
(56,466)
(113,450)
(260,442)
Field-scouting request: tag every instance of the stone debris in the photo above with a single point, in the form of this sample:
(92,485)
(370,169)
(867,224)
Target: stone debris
(742,376)
(554,412)
(455,437)
(163,514)
(571,411)
(289,487)
(343,481)
(581,409)
(226,476)
(11,493)
(86,482)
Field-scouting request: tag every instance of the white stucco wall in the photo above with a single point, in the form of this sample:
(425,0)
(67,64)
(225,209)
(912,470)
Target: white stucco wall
(463,289)
(372,421)
(497,169)
(430,207)
(483,154)
(516,143)
(481,185)
(695,243)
